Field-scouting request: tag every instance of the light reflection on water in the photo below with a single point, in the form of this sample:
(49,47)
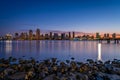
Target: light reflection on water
(80,50)
(99,52)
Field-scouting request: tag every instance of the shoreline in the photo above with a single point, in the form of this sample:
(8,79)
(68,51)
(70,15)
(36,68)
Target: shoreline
(53,69)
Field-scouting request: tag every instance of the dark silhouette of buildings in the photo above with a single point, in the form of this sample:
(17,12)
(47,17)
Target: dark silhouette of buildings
(63,36)
(16,36)
(114,35)
(38,34)
(46,36)
(69,35)
(51,37)
(73,34)
(30,34)
(56,37)
(98,36)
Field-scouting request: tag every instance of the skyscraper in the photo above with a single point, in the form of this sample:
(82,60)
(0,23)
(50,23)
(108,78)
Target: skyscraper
(56,36)
(50,35)
(114,35)
(22,36)
(16,36)
(69,35)
(108,35)
(46,36)
(97,36)
(38,34)
(105,36)
(30,34)
(73,34)
(63,36)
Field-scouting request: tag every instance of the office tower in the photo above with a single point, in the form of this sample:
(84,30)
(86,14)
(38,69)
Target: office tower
(16,36)
(50,35)
(22,36)
(63,36)
(38,34)
(56,36)
(30,34)
(69,35)
(108,35)
(97,36)
(46,36)
(105,35)
(73,34)
(114,35)
(26,36)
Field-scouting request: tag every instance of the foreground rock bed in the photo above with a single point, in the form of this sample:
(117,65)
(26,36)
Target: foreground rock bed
(52,69)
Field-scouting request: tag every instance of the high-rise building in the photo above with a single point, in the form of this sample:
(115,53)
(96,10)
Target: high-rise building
(16,36)
(97,36)
(63,36)
(56,36)
(105,36)
(46,36)
(30,34)
(38,34)
(26,36)
(50,35)
(22,36)
(69,35)
(108,36)
(73,34)
(114,35)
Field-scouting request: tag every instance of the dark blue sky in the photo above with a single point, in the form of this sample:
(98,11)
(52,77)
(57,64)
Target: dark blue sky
(64,15)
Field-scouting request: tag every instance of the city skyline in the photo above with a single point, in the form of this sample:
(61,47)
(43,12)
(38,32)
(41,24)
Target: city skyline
(88,16)
(38,35)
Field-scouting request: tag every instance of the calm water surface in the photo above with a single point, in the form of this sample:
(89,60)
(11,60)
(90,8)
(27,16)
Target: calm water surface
(80,50)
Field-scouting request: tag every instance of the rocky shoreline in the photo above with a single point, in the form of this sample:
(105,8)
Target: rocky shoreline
(52,69)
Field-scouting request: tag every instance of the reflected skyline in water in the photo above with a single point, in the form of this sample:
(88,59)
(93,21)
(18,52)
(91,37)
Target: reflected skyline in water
(80,50)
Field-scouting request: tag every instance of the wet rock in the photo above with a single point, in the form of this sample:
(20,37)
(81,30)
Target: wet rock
(72,58)
(90,61)
(18,76)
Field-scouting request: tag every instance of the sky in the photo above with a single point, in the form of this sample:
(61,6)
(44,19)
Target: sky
(64,15)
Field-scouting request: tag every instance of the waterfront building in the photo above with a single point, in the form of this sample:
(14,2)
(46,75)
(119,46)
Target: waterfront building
(63,37)
(16,36)
(73,34)
(42,37)
(84,37)
(38,34)
(0,38)
(46,36)
(114,35)
(26,36)
(69,35)
(87,37)
(50,35)
(97,36)
(105,35)
(34,37)
(56,36)
(30,34)
(108,36)
(8,37)
(22,36)
(92,37)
